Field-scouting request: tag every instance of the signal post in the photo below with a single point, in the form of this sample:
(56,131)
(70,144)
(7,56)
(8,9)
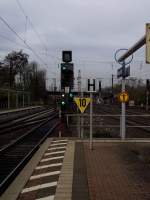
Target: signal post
(123,97)
(82,104)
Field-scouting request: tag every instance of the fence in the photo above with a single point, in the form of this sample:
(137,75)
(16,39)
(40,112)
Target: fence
(137,126)
(13,98)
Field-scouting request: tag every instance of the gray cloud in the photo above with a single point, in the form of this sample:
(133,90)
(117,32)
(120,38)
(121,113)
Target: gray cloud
(92,29)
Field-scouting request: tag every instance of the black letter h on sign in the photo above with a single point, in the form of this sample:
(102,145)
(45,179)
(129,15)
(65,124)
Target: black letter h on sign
(91,86)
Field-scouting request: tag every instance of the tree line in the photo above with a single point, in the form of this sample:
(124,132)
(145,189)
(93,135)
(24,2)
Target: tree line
(136,89)
(18,74)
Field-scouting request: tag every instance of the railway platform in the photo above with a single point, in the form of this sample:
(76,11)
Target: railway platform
(66,169)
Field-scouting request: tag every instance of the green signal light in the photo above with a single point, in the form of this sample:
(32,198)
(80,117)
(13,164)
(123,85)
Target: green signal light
(71,95)
(63,103)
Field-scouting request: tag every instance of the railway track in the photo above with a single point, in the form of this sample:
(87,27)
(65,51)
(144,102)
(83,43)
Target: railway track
(137,122)
(10,115)
(22,120)
(6,120)
(15,155)
(11,130)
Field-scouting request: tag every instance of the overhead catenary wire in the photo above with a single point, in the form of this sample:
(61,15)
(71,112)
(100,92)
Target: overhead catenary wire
(21,8)
(34,29)
(29,20)
(14,49)
(21,39)
(26,18)
(14,42)
(8,39)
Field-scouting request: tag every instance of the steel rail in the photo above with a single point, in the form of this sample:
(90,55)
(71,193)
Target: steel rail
(16,169)
(15,131)
(19,110)
(27,133)
(21,119)
(19,115)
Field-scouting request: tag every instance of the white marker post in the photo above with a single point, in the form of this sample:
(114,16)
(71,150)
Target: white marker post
(123,121)
(91,121)
(91,89)
(82,121)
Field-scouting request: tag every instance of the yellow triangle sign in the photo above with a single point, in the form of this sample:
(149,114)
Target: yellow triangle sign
(82,103)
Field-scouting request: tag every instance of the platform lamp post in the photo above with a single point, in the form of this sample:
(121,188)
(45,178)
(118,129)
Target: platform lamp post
(123,73)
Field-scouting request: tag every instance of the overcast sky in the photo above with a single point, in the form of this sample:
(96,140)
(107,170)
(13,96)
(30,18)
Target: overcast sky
(92,29)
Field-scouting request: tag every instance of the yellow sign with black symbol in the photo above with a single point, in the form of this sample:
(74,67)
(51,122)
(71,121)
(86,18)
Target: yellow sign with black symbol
(124,97)
(82,103)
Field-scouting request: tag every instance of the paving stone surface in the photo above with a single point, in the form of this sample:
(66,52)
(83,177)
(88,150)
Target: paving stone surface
(116,172)
(80,185)
(43,183)
(64,187)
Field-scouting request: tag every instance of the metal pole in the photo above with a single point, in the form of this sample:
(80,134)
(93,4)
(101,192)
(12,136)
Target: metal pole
(23,99)
(120,125)
(100,89)
(91,121)
(29,99)
(8,99)
(67,120)
(16,99)
(82,121)
(123,121)
(147,99)
(133,49)
(60,122)
(79,126)
(112,87)
(10,73)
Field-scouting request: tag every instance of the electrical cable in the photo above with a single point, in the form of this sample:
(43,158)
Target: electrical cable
(34,29)
(6,38)
(20,38)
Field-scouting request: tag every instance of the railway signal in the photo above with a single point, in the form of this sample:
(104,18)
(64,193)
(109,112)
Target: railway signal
(67,75)
(67,70)
(66,56)
(63,102)
(70,96)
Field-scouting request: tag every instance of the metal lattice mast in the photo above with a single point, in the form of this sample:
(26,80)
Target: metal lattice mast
(79,81)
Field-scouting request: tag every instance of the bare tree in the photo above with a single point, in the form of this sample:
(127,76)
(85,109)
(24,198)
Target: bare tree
(17,62)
